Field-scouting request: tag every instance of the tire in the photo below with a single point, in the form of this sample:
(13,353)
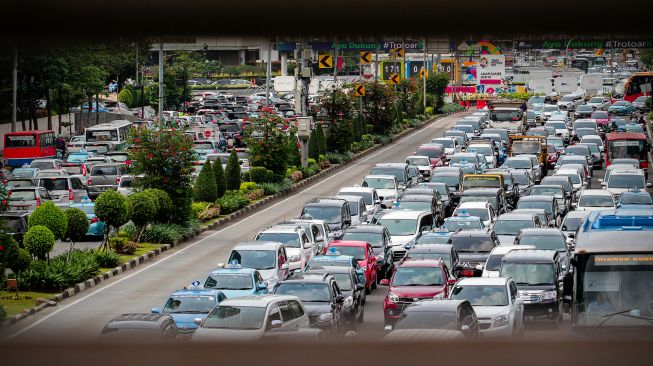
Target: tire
(368,290)
(376,281)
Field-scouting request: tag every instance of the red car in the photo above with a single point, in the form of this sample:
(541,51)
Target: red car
(601,117)
(435,152)
(415,280)
(363,253)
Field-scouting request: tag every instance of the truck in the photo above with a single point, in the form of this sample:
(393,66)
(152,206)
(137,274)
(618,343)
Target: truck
(508,114)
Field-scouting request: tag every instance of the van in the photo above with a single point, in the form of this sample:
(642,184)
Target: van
(63,190)
(539,276)
(103,177)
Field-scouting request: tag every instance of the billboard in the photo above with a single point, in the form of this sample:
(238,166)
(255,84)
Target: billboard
(542,86)
(491,69)
(565,84)
(469,71)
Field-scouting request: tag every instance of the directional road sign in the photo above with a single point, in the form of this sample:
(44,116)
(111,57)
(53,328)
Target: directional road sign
(360,90)
(395,78)
(423,73)
(325,60)
(398,52)
(366,57)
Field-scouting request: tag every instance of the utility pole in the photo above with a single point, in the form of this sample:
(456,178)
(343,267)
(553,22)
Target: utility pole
(161,97)
(268,71)
(612,71)
(335,64)
(14,88)
(426,70)
(376,63)
(136,62)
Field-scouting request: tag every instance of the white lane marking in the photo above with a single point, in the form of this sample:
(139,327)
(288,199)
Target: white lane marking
(392,145)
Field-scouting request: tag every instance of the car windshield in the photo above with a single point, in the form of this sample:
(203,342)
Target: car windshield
(584,108)
(307,292)
(518,164)
(433,239)
(54,184)
(493,262)
(557,125)
(481,149)
(24,173)
(529,273)
(344,281)
(490,199)
(511,227)
(572,223)
(379,183)
(22,195)
(626,181)
(416,205)
(636,199)
(521,179)
(478,243)
(367,197)
(544,242)
(19,183)
(551,108)
(483,213)
(446,143)
(376,240)
(73,169)
(258,259)
(41,165)
(455,225)
(104,170)
(463,159)
(482,295)
(330,214)
(575,178)
(599,115)
(417,276)
(398,172)
(235,317)
(428,320)
(229,281)
(189,304)
(585,124)
(449,180)
(399,226)
(411,254)
(290,240)
(418,161)
(358,252)
(353,207)
(547,205)
(547,191)
(202,146)
(589,200)
(633,149)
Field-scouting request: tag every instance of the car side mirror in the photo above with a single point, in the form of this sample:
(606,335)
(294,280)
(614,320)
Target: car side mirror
(377,202)
(451,281)
(308,245)
(384,282)
(319,238)
(197,321)
(340,299)
(275,324)
(604,184)
(261,286)
(155,311)
(360,287)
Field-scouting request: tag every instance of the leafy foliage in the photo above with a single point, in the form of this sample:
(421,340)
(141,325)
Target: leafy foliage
(126,97)
(61,272)
(77,224)
(39,241)
(220,182)
(52,217)
(232,201)
(112,208)
(144,210)
(205,186)
(437,85)
(164,205)
(268,145)
(232,172)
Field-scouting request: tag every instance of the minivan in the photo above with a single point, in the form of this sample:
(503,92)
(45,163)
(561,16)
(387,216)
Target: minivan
(64,190)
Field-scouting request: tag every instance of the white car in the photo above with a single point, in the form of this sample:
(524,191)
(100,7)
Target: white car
(423,164)
(125,185)
(369,195)
(451,145)
(251,318)
(599,103)
(357,209)
(386,186)
(299,247)
(76,143)
(405,226)
(570,101)
(560,128)
(593,139)
(493,263)
(269,258)
(595,200)
(484,210)
(574,175)
(496,302)
(485,150)
(624,180)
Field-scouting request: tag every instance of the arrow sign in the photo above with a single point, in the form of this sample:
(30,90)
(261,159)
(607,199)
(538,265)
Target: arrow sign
(366,57)
(395,78)
(463,46)
(360,90)
(398,52)
(423,73)
(325,61)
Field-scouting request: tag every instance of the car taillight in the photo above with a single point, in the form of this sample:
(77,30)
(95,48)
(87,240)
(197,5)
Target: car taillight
(117,180)
(94,220)
(71,195)
(38,201)
(467,273)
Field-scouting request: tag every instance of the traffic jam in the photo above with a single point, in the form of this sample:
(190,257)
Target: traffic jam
(524,212)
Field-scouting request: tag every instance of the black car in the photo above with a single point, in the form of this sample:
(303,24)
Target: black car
(473,248)
(350,287)
(446,196)
(423,202)
(321,297)
(510,189)
(334,211)
(14,223)
(453,180)
(379,237)
(434,251)
(436,320)
(152,328)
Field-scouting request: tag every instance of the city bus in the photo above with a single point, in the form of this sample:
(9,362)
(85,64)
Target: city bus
(627,145)
(611,285)
(23,147)
(633,89)
(114,133)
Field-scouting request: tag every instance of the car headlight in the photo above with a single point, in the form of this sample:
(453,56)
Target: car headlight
(549,295)
(392,297)
(325,317)
(439,296)
(501,320)
(349,301)
(294,258)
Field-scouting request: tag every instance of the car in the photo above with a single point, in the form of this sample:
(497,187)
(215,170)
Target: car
(333,258)
(496,302)
(351,289)
(79,157)
(90,162)
(538,275)
(470,163)
(297,244)
(357,209)
(522,163)
(423,164)
(27,199)
(563,181)
(446,196)
(188,304)
(422,202)
(24,172)
(133,327)
(45,164)
(523,179)
(405,226)
(434,320)
(555,190)
(620,181)
(484,210)
(622,108)
(446,252)
(457,223)
(52,173)
(494,196)
(414,281)
(635,199)
(104,177)
(572,222)
(125,185)
(599,103)
(640,103)
(321,297)
(583,111)
(460,136)
(492,265)
(251,318)
(233,280)
(121,157)
(593,139)
(577,180)
(95,226)
(450,145)
(335,212)
(361,251)
(586,171)
(549,203)
(487,150)
(435,237)
(548,110)
(473,248)
(76,170)
(269,259)
(369,195)
(453,180)
(386,187)
(398,170)
(15,224)
(595,200)
(379,237)
(75,144)
(508,225)
(560,129)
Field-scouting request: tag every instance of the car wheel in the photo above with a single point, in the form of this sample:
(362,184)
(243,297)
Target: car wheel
(368,290)
(376,280)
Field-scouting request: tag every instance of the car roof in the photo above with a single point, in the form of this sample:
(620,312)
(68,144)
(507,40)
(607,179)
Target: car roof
(403,214)
(503,249)
(530,255)
(379,176)
(438,305)
(577,213)
(378,229)
(431,248)
(464,205)
(536,197)
(270,245)
(206,291)
(471,233)
(350,198)
(417,198)
(331,202)
(380,165)
(541,231)
(280,229)
(482,281)
(256,301)
(595,192)
(137,321)
(434,263)
(516,216)
(357,189)
(349,243)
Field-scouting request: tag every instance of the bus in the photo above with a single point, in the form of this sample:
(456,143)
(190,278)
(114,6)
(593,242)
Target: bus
(114,132)
(627,145)
(611,284)
(23,147)
(633,86)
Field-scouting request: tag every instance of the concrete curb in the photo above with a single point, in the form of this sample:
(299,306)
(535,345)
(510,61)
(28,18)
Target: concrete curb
(249,209)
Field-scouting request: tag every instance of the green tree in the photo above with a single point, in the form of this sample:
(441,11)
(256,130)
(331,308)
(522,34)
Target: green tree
(646,55)
(39,240)
(144,210)
(437,85)
(294,155)
(321,138)
(232,172)
(379,107)
(112,208)
(205,188)
(220,182)
(314,146)
(52,217)
(267,144)
(126,97)
(19,262)
(164,210)
(77,225)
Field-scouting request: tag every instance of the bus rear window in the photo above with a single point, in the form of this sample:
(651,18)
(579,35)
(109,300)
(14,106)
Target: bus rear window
(15,141)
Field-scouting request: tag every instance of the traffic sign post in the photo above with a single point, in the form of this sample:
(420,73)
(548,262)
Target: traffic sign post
(359,89)
(398,52)
(325,60)
(365,58)
(423,73)
(395,78)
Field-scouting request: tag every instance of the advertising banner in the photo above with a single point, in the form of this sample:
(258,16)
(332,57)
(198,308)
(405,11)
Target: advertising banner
(491,69)
(470,76)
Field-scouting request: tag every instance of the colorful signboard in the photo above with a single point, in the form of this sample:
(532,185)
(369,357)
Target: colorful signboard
(491,69)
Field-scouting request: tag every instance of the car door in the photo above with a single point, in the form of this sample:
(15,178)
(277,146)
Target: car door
(289,319)
(259,283)
(371,263)
(282,271)
(517,303)
(78,188)
(301,319)
(274,314)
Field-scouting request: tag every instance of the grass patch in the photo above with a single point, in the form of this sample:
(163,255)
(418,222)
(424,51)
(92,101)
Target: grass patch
(26,300)
(143,248)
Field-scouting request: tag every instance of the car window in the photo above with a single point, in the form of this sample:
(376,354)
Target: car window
(274,315)
(296,308)
(513,291)
(286,312)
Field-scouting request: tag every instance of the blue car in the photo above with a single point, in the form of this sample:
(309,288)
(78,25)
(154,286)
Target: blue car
(438,237)
(188,304)
(335,259)
(455,223)
(235,281)
(621,108)
(95,227)
(79,157)
(635,200)
(24,172)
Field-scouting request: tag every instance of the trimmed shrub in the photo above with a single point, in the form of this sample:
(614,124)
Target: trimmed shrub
(232,201)
(112,208)
(247,186)
(296,176)
(39,240)
(255,194)
(126,97)
(205,189)
(232,172)
(51,217)
(168,233)
(270,176)
(165,206)
(143,210)
(245,176)
(258,174)
(128,231)
(274,188)
(77,224)
(220,183)
(106,259)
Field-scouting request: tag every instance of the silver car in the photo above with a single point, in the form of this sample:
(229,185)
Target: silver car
(27,198)
(63,190)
